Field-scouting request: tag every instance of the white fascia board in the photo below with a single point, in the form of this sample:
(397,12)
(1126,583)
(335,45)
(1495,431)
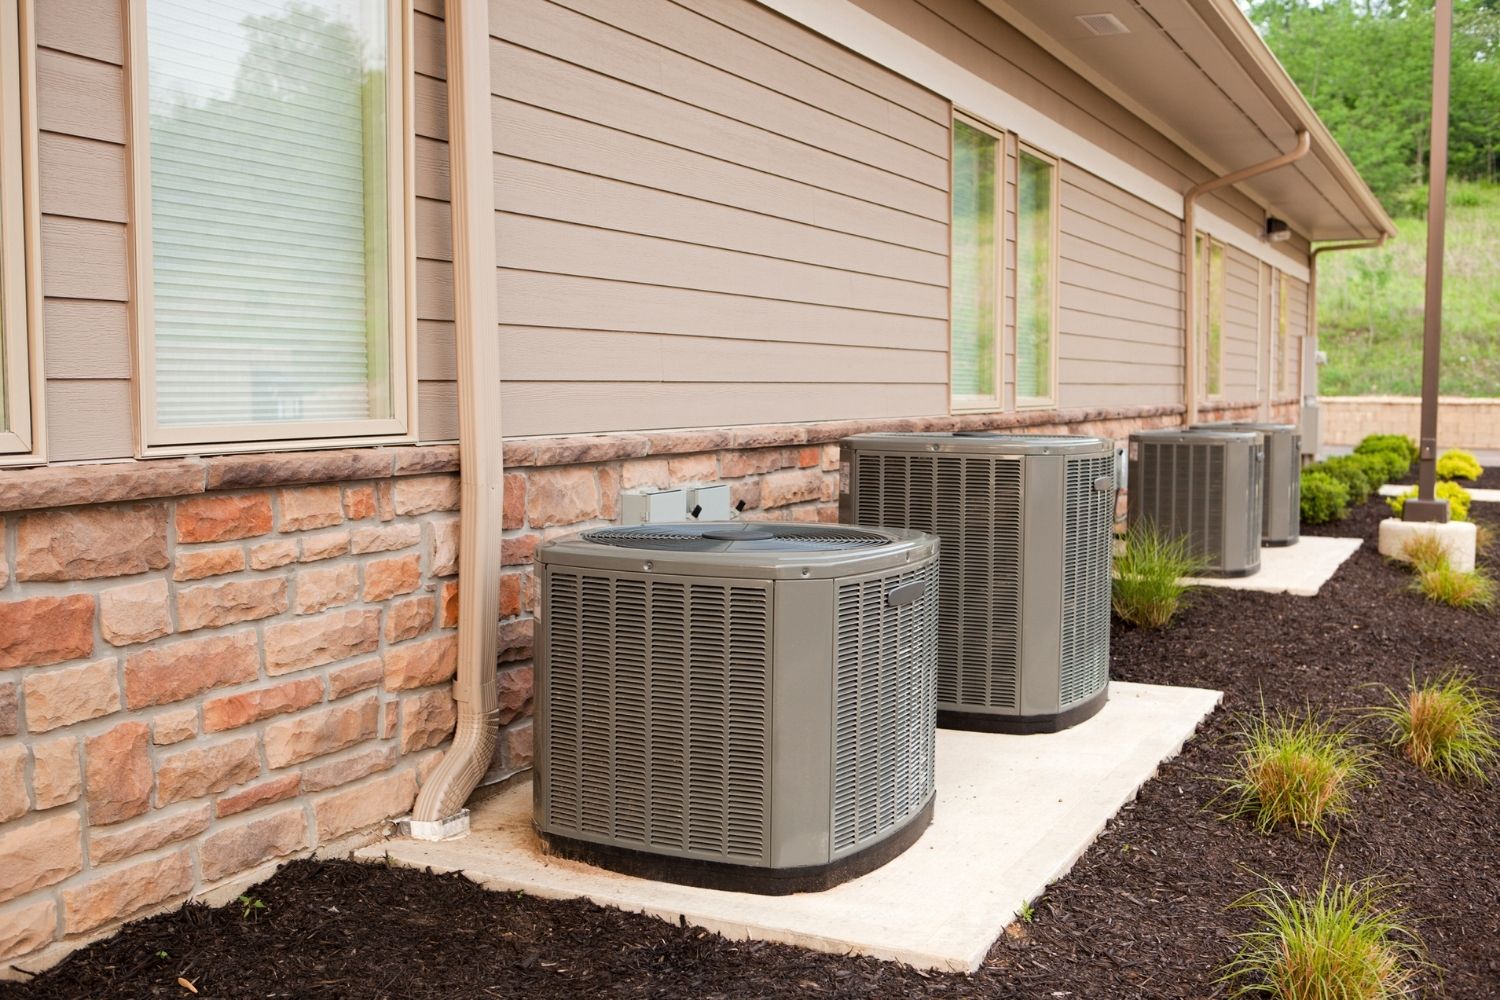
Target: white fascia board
(866,34)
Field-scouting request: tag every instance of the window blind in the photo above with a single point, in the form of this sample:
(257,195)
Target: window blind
(976,263)
(1034,256)
(268,220)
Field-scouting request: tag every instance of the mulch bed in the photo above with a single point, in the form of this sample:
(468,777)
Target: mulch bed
(1143,914)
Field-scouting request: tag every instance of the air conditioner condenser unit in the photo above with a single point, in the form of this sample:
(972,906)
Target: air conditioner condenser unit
(740,705)
(1204,487)
(1281,501)
(1026,523)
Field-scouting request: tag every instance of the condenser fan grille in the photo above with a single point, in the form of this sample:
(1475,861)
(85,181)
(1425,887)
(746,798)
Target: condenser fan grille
(742,536)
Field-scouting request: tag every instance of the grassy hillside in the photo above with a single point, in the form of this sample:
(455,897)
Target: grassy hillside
(1370,306)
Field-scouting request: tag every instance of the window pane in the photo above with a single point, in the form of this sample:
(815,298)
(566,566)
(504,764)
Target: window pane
(976,263)
(1215,316)
(1034,279)
(1281,321)
(268,194)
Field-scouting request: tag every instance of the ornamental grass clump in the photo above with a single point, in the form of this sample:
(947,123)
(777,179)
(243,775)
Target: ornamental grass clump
(1467,590)
(1148,588)
(1456,464)
(1342,942)
(1295,771)
(1425,552)
(1445,726)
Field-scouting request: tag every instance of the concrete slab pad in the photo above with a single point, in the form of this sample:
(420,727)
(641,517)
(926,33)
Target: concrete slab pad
(1013,813)
(1299,570)
(1475,494)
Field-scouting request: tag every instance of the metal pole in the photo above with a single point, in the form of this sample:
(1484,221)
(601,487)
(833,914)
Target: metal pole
(1425,507)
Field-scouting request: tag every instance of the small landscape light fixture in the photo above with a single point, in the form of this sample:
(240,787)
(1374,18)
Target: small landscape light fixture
(1277,231)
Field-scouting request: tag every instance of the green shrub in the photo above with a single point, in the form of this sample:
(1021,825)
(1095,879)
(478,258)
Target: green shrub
(1324,498)
(1399,443)
(1391,463)
(1455,464)
(1458,500)
(1353,472)
(1377,467)
(1445,726)
(1471,590)
(1148,588)
(1295,771)
(1343,942)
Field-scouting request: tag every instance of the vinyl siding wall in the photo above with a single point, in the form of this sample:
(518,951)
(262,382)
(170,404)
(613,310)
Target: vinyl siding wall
(1242,312)
(83,161)
(707,215)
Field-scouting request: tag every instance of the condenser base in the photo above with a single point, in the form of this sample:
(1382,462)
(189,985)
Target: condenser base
(741,878)
(1022,725)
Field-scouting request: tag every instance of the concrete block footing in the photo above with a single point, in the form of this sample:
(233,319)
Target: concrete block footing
(1459,539)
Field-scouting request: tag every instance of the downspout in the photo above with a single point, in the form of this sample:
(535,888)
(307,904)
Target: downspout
(1309,369)
(440,811)
(1190,262)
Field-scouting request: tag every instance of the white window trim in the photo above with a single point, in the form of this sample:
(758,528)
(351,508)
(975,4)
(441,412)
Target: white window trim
(996,403)
(21,442)
(156,440)
(1048,401)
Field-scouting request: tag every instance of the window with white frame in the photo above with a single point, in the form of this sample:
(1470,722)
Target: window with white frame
(1036,279)
(271,254)
(1210,294)
(976,305)
(17,442)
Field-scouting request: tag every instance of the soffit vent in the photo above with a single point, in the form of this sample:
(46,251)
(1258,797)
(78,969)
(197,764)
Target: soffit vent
(1103,24)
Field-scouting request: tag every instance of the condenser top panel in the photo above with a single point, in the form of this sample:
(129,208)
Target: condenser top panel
(748,549)
(1248,425)
(984,443)
(1182,435)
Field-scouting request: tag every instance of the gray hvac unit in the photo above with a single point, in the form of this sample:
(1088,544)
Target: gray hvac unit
(747,706)
(1281,495)
(1026,527)
(1202,486)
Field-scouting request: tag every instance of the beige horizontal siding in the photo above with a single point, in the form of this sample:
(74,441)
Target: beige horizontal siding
(432,242)
(1298,317)
(1119,296)
(709,216)
(1241,343)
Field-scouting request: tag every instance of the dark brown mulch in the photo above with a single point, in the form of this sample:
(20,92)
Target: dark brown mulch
(1142,915)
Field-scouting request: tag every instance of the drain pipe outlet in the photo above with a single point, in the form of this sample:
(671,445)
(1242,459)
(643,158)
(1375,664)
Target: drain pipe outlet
(1190,263)
(440,811)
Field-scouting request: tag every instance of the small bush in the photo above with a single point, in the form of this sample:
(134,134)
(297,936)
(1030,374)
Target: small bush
(1148,588)
(1392,464)
(1295,771)
(1354,472)
(1399,443)
(1470,590)
(1445,726)
(1324,498)
(1458,500)
(1455,464)
(1377,467)
(1343,942)
(1425,552)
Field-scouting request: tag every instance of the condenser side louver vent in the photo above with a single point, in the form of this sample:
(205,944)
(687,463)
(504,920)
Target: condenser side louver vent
(974,504)
(883,742)
(659,702)
(1089,515)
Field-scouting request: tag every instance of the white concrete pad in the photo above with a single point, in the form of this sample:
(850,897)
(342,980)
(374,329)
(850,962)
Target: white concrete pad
(1475,494)
(1299,570)
(1013,813)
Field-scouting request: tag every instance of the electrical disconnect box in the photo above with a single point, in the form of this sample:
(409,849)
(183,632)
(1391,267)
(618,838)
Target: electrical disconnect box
(708,503)
(653,506)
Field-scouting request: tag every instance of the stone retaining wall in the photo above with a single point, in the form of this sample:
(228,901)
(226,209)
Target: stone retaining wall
(210,665)
(1471,424)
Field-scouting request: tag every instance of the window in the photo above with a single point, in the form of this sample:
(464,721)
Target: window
(17,442)
(1211,311)
(975,325)
(1282,313)
(270,180)
(1036,272)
